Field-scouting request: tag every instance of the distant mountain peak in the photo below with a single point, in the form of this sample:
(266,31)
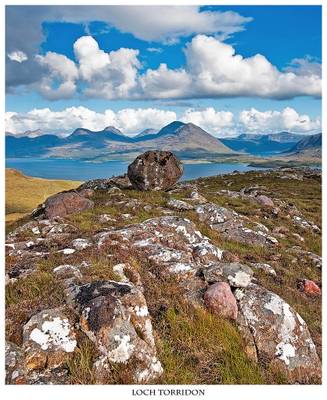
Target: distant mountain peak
(112,129)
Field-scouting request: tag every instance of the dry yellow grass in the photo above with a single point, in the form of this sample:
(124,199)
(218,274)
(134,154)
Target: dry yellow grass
(24,193)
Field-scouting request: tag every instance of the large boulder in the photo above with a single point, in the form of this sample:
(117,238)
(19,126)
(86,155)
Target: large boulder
(280,336)
(220,301)
(155,170)
(62,204)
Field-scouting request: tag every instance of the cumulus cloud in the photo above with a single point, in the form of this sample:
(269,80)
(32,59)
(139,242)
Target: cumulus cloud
(212,70)
(275,121)
(133,120)
(109,75)
(305,66)
(60,69)
(219,123)
(166,24)
(18,56)
(129,120)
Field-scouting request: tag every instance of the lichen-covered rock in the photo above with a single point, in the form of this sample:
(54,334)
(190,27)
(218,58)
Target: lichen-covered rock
(121,182)
(236,274)
(63,204)
(233,226)
(48,339)
(220,300)
(155,170)
(281,337)
(179,205)
(267,268)
(115,317)
(172,244)
(14,362)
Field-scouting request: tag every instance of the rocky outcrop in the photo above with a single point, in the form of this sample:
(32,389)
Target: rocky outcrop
(110,312)
(63,204)
(115,317)
(155,170)
(233,226)
(280,336)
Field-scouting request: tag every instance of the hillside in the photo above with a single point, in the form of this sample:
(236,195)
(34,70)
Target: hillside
(186,140)
(138,268)
(309,146)
(262,144)
(24,193)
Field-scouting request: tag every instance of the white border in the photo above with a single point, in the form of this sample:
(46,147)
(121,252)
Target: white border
(124,392)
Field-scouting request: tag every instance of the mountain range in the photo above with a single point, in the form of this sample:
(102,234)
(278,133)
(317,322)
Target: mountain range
(263,144)
(186,140)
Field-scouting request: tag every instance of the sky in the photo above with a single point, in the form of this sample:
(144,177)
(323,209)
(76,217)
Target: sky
(228,69)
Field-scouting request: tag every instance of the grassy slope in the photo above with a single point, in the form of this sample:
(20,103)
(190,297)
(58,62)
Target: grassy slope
(194,346)
(24,193)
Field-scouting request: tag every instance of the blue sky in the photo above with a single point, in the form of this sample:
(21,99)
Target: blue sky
(210,64)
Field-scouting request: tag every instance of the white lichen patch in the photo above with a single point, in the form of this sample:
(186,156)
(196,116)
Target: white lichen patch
(67,251)
(141,311)
(124,350)
(81,244)
(285,351)
(275,305)
(239,279)
(54,334)
(180,267)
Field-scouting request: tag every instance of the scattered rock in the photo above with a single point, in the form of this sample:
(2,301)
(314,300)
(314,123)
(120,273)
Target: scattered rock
(267,268)
(264,201)
(236,274)
(48,338)
(309,287)
(115,317)
(14,362)
(280,335)
(63,204)
(155,170)
(220,300)
(179,205)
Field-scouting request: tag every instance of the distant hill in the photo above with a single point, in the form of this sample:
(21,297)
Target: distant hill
(263,144)
(146,132)
(186,140)
(308,146)
(24,193)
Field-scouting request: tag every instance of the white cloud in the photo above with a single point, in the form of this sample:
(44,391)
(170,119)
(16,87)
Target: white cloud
(212,70)
(169,23)
(275,121)
(129,121)
(109,75)
(218,123)
(304,66)
(18,56)
(61,69)
(133,120)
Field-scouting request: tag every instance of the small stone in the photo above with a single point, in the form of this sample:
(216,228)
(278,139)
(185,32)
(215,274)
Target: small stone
(179,205)
(220,300)
(264,201)
(310,287)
